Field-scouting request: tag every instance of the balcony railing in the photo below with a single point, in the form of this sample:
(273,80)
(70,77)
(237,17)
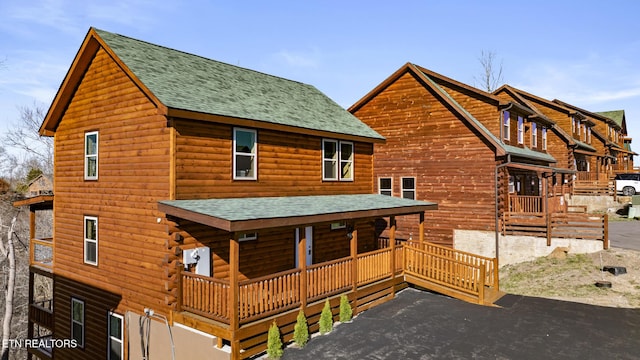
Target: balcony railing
(41,253)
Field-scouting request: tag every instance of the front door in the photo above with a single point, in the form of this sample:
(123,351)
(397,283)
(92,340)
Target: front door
(308,232)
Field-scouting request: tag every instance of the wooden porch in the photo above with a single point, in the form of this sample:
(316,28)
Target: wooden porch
(594,183)
(368,279)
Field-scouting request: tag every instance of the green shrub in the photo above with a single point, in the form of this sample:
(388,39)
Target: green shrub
(326,318)
(345,309)
(301,330)
(274,343)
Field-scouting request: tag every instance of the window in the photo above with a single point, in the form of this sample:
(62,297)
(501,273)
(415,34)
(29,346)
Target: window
(589,135)
(337,154)
(534,135)
(385,186)
(115,336)
(338,225)
(573,124)
(505,125)
(77,321)
(409,188)
(520,130)
(91,240)
(91,155)
(248,236)
(245,154)
(544,138)
(584,134)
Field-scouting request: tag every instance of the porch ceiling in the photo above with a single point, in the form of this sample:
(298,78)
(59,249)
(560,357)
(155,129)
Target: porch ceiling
(245,214)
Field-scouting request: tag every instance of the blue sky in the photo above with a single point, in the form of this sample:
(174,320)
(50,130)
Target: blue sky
(586,53)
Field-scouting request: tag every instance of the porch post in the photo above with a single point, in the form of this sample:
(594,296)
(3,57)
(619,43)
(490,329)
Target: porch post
(421,229)
(32,224)
(353,245)
(234,303)
(302,264)
(392,243)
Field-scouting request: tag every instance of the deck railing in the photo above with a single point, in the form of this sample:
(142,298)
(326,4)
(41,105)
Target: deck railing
(526,204)
(269,294)
(373,266)
(328,278)
(41,313)
(445,269)
(41,252)
(205,296)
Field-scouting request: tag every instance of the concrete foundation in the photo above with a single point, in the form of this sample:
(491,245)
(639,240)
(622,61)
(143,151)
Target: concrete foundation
(600,204)
(515,249)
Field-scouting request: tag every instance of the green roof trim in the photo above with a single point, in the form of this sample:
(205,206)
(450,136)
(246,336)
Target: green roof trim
(282,209)
(528,153)
(189,82)
(616,115)
(584,146)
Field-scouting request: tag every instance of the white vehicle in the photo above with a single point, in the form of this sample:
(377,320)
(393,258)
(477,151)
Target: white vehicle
(628,184)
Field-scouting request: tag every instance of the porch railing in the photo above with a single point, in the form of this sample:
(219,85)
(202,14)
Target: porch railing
(41,252)
(205,296)
(373,266)
(269,294)
(328,278)
(526,204)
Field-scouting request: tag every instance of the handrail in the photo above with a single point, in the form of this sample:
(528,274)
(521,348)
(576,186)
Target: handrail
(373,266)
(269,294)
(45,242)
(205,296)
(328,278)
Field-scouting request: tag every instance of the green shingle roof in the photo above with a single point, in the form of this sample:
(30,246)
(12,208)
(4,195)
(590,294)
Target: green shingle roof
(258,210)
(616,115)
(194,83)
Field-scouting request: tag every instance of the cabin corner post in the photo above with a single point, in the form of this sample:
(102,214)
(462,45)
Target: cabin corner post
(392,261)
(353,246)
(302,264)
(234,290)
(32,224)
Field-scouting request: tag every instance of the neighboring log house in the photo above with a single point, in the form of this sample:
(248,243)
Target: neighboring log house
(486,161)
(206,199)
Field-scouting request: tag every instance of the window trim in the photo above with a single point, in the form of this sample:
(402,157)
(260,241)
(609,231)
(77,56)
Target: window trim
(248,236)
(506,126)
(534,135)
(87,156)
(81,322)
(390,189)
(402,188)
(110,338)
(337,162)
(338,225)
(253,156)
(86,240)
(520,130)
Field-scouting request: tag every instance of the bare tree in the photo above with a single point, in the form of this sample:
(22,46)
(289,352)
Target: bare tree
(491,76)
(23,136)
(7,251)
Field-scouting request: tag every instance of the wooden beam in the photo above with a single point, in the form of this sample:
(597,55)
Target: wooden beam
(392,243)
(302,264)
(353,243)
(421,227)
(234,315)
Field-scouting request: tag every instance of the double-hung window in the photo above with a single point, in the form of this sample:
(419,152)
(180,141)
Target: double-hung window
(520,130)
(589,136)
(505,125)
(91,240)
(544,138)
(534,135)
(77,321)
(245,154)
(337,160)
(409,188)
(385,186)
(116,325)
(91,155)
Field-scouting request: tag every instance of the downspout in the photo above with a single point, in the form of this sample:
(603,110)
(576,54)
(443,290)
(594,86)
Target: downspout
(498,167)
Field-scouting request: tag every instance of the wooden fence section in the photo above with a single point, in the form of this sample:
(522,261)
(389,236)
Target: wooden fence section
(531,224)
(269,294)
(205,296)
(446,271)
(604,187)
(328,278)
(588,176)
(580,226)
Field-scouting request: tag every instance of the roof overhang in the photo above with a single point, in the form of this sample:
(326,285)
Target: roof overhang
(41,202)
(540,168)
(248,214)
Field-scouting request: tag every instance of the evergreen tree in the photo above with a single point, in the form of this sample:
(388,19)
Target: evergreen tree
(274,343)
(326,318)
(301,330)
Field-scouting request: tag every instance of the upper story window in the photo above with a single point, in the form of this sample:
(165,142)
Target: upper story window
(337,160)
(385,186)
(573,125)
(544,138)
(248,236)
(245,154)
(534,135)
(589,136)
(520,130)
(77,321)
(91,240)
(409,188)
(505,125)
(91,155)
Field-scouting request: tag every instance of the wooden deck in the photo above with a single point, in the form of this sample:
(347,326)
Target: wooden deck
(368,280)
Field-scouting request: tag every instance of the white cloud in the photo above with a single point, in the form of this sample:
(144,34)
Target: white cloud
(299,59)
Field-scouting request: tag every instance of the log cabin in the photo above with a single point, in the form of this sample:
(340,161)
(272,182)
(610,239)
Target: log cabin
(197,202)
(486,161)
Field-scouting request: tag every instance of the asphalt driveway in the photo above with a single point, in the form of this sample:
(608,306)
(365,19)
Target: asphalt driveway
(625,234)
(424,325)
